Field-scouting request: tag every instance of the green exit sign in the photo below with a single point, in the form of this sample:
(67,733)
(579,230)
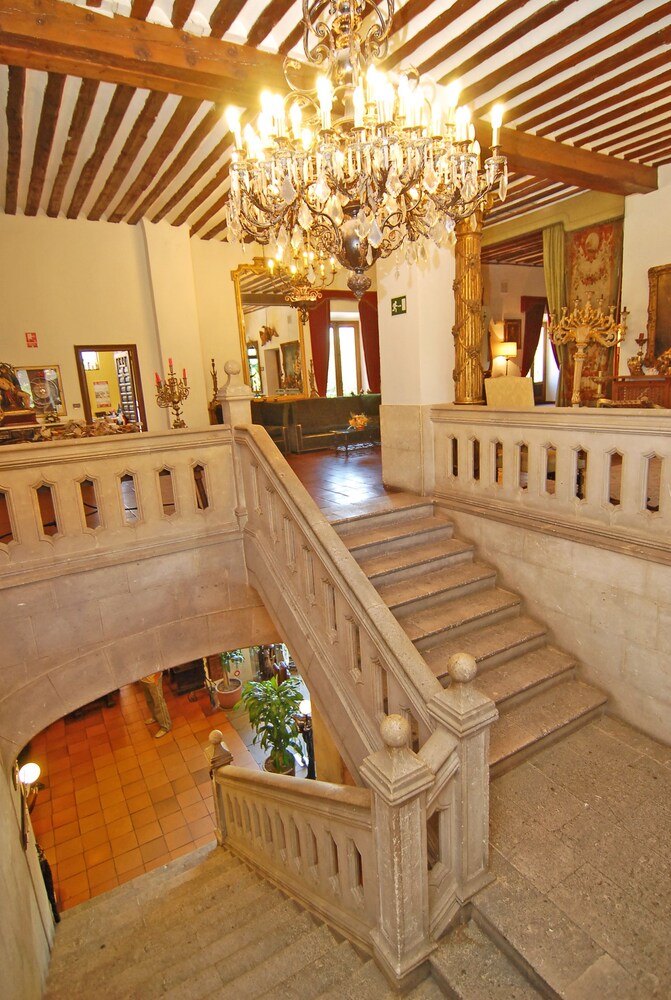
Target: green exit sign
(398,306)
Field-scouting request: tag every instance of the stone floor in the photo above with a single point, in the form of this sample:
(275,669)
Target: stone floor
(581,849)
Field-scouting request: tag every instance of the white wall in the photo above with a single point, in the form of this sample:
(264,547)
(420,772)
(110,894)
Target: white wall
(647,243)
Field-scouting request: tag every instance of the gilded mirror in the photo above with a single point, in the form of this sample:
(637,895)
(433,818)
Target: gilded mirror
(659,312)
(272,341)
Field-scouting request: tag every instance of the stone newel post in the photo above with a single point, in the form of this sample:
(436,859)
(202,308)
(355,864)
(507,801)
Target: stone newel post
(218,755)
(399,782)
(467,715)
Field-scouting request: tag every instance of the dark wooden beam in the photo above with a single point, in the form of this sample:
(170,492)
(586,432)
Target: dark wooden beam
(527,154)
(57,37)
(44,140)
(15,96)
(80,116)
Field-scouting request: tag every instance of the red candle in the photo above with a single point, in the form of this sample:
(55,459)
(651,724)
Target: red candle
(184,374)
(170,362)
(158,380)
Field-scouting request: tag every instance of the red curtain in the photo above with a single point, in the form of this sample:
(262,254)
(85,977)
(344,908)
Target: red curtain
(370,336)
(533,307)
(319,340)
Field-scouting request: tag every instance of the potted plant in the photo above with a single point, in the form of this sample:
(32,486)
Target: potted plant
(229,689)
(273,708)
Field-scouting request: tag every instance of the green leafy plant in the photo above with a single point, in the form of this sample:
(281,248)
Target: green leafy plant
(227,660)
(272,711)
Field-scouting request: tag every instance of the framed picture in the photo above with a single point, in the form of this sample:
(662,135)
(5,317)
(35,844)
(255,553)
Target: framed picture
(45,388)
(659,312)
(512,331)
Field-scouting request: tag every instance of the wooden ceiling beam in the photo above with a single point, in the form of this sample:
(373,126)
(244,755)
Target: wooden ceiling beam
(527,154)
(54,36)
(80,116)
(51,104)
(15,97)
(58,37)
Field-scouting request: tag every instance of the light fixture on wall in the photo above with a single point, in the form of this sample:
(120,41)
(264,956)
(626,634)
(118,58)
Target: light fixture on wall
(26,778)
(361,165)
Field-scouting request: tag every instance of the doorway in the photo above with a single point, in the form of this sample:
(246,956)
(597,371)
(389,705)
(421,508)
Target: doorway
(110,382)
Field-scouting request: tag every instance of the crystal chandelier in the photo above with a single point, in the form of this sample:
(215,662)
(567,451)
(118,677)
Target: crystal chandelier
(361,165)
(301,282)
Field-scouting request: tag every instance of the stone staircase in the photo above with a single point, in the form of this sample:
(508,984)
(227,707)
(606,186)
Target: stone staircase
(447,601)
(207,927)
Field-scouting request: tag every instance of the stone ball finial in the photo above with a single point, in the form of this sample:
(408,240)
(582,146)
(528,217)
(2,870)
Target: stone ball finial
(462,668)
(395,731)
(232,368)
(215,737)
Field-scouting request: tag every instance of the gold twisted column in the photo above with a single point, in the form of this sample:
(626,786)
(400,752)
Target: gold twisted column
(467,330)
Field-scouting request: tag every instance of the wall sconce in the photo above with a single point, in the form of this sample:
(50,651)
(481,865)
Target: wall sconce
(26,778)
(304,723)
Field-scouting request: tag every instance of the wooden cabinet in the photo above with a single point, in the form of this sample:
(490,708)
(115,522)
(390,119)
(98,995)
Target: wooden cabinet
(629,388)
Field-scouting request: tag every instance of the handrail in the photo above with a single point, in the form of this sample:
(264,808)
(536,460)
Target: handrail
(300,564)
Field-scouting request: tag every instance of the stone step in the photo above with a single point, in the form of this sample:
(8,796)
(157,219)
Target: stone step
(536,671)
(289,949)
(377,538)
(330,969)
(396,507)
(409,560)
(420,591)
(469,966)
(528,725)
(207,947)
(490,644)
(458,616)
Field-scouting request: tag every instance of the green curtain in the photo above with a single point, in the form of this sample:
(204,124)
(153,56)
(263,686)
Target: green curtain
(554,269)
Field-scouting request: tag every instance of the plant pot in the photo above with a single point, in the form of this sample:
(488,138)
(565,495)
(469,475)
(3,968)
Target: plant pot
(288,769)
(229,695)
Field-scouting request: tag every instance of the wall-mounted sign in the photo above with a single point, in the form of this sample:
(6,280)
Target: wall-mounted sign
(398,306)
(101,392)
(31,340)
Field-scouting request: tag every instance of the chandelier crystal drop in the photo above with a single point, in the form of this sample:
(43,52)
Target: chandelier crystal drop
(362,165)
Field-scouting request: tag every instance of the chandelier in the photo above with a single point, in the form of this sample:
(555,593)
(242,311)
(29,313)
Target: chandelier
(362,165)
(301,282)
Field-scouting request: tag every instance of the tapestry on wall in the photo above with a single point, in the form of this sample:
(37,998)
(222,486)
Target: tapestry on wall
(593,274)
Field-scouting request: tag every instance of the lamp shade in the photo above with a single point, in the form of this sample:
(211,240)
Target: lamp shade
(29,773)
(508,349)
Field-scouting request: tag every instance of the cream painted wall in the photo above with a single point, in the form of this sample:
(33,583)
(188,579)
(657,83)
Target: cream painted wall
(74,282)
(647,243)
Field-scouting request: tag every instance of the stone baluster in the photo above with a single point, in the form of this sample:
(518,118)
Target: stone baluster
(399,781)
(467,715)
(218,755)
(236,409)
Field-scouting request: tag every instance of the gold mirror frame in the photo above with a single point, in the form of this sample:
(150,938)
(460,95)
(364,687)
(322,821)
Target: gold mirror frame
(659,313)
(256,276)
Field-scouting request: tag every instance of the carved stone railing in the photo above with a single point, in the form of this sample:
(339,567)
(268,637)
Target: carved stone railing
(68,503)
(358,856)
(600,475)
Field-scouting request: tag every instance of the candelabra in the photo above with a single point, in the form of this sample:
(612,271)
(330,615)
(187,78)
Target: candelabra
(172,392)
(585,325)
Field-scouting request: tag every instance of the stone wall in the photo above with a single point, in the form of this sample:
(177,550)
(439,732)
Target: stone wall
(611,610)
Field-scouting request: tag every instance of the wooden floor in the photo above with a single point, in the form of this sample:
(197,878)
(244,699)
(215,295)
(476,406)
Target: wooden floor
(116,802)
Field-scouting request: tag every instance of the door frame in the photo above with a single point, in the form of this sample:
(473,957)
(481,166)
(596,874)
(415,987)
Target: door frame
(131,350)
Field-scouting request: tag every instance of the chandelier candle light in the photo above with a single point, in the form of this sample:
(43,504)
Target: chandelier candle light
(172,393)
(301,283)
(361,165)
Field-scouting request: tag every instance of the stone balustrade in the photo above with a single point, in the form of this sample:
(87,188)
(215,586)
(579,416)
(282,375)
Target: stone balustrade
(600,475)
(73,501)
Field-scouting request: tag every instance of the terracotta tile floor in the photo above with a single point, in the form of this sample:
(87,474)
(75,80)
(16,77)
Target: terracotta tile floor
(116,802)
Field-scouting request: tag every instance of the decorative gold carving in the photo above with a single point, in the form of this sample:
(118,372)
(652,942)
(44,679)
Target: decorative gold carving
(580,327)
(468,330)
